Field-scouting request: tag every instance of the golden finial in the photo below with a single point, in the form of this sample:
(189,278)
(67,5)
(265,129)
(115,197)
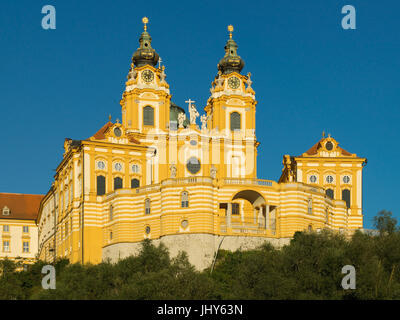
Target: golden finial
(109,117)
(323,134)
(145,21)
(230,29)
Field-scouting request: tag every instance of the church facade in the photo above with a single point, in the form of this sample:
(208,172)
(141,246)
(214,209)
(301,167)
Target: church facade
(159,175)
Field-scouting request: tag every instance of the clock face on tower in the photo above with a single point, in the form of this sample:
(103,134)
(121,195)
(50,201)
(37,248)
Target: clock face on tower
(233,82)
(148,75)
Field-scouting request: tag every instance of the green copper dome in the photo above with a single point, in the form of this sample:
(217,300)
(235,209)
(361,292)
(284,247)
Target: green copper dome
(145,54)
(231,62)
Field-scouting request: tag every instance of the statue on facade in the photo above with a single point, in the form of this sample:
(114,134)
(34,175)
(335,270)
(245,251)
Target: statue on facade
(132,74)
(193,114)
(203,120)
(220,80)
(249,82)
(181,119)
(172,168)
(213,172)
(162,75)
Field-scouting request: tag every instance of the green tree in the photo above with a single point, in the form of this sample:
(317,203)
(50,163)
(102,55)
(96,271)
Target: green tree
(384,222)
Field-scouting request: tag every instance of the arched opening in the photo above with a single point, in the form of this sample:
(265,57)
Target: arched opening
(346,197)
(148,116)
(329,193)
(248,212)
(135,183)
(101,185)
(117,183)
(255,198)
(235,121)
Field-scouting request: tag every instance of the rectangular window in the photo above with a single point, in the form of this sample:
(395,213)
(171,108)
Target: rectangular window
(26,246)
(6,246)
(6,228)
(309,206)
(25,229)
(235,208)
(147,206)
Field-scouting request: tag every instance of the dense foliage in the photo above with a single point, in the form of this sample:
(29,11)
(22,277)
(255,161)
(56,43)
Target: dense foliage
(308,268)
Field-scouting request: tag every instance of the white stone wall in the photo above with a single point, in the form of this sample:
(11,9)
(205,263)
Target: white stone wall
(200,248)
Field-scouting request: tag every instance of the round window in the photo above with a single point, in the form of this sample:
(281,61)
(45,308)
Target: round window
(118,166)
(135,168)
(313,179)
(329,146)
(117,132)
(193,165)
(184,224)
(147,230)
(346,179)
(329,179)
(101,165)
(193,142)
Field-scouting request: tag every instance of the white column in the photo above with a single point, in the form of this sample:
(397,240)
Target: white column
(229,215)
(260,216)
(267,216)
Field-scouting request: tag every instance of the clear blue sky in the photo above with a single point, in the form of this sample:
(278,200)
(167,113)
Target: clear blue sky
(309,75)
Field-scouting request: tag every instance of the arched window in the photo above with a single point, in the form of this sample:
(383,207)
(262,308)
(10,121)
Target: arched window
(329,193)
(117,183)
(235,121)
(6,211)
(135,183)
(101,185)
(148,116)
(185,199)
(346,197)
(147,206)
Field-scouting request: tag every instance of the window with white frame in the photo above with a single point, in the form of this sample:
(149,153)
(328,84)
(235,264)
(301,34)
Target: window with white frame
(6,228)
(313,178)
(26,246)
(185,199)
(6,211)
(25,229)
(329,179)
(147,206)
(135,168)
(111,212)
(309,206)
(6,246)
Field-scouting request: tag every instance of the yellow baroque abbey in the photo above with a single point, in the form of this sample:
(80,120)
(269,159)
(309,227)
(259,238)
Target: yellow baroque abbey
(160,175)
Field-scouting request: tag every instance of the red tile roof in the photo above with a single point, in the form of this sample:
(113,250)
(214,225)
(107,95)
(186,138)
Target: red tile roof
(22,206)
(99,135)
(314,149)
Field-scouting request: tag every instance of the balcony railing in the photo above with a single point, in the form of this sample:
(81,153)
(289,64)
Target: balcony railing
(256,182)
(188,180)
(247,226)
